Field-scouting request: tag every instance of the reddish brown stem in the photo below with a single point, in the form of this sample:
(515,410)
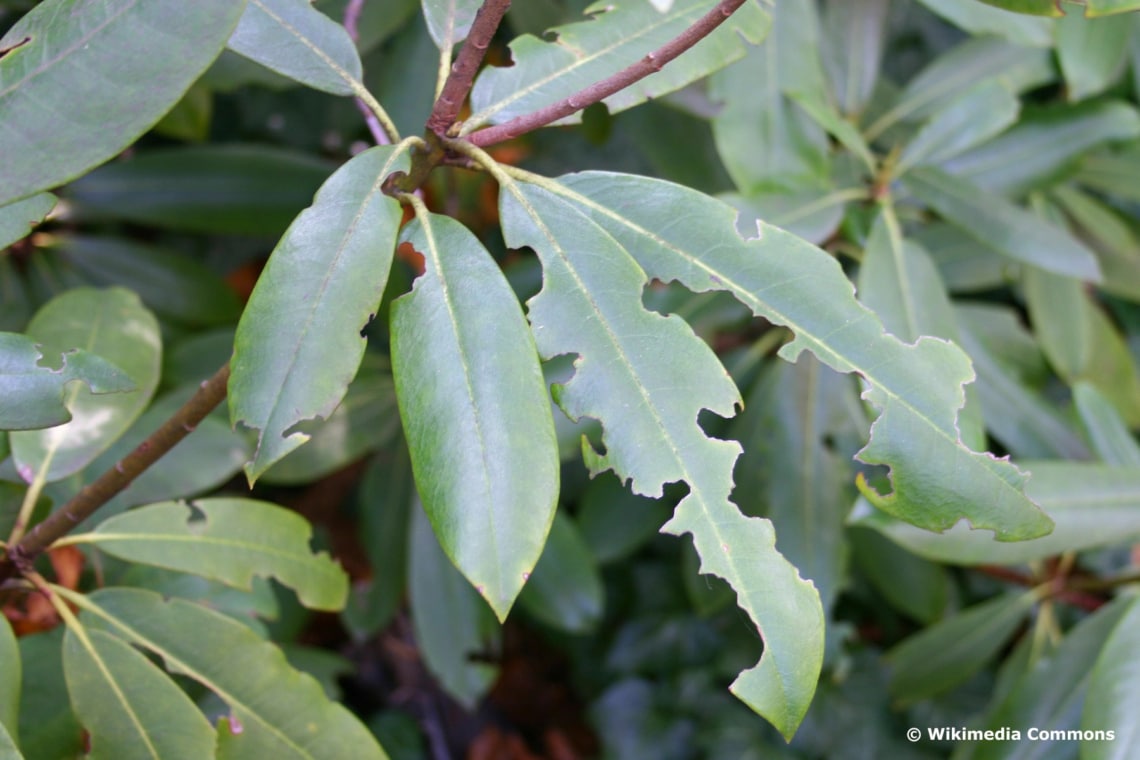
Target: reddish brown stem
(114,480)
(602,89)
(458,84)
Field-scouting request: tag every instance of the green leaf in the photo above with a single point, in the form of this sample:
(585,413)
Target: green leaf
(264,694)
(614,522)
(1113,697)
(8,748)
(115,325)
(546,72)
(1049,697)
(377,22)
(1002,226)
(590,305)
(899,282)
(48,728)
(792,283)
(453,625)
(172,285)
(1044,145)
(913,585)
(366,418)
(1017,414)
(789,475)
(961,69)
(238,189)
(970,119)
(10,676)
(129,707)
(34,395)
(299,341)
(296,40)
(19,218)
(475,410)
(1062,320)
(64,47)
(948,653)
(764,140)
(204,460)
(1110,438)
(189,120)
(1031,7)
(565,591)
(1112,368)
(1116,246)
(854,33)
(1096,8)
(1092,505)
(384,500)
(228,540)
(1092,53)
(449,21)
(973,17)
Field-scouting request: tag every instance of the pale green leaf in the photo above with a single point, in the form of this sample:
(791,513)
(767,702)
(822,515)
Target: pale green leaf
(812,214)
(998,224)
(366,418)
(1092,505)
(1112,171)
(565,591)
(766,142)
(296,40)
(972,16)
(1111,440)
(34,385)
(970,119)
(899,282)
(1030,7)
(585,52)
(19,218)
(81,54)
(1092,53)
(299,341)
(475,410)
(635,373)
(10,677)
(948,653)
(453,624)
(129,707)
(204,460)
(1112,367)
(264,694)
(449,21)
(228,540)
(854,34)
(1044,145)
(235,189)
(1096,8)
(1113,241)
(792,283)
(1113,698)
(959,70)
(1049,697)
(1062,319)
(115,325)
(8,748)
(790,476)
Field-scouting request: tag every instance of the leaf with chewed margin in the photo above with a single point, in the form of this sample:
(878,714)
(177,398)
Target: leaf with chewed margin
(680,234)
(299,341)
(636,372)
(449,21)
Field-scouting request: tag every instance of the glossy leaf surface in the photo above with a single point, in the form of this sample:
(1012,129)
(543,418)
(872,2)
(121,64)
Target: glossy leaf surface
(296,40)
(773,274)
(229,540)
(64,47)
(129,707)
(299,341)
(264,694)
(590,305)
(17,219)
(34,392)
(476,411)
(114,325)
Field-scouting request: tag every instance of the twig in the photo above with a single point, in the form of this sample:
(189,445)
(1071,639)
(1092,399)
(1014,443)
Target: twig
(114,480)
(458,84)
(602,89)
(351,25)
